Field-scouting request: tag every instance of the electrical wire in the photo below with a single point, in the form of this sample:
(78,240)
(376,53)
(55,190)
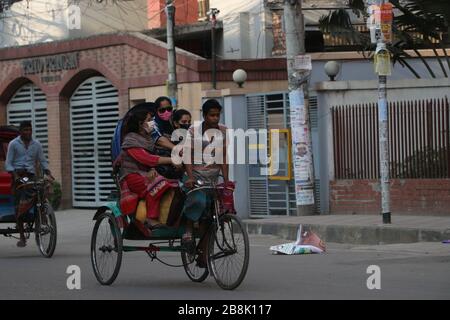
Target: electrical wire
(28,16)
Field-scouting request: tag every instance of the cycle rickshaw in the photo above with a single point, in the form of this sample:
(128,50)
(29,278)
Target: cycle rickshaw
(227,239)
(40,219)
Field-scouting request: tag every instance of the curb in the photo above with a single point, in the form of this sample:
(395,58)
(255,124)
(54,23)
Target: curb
(347,234)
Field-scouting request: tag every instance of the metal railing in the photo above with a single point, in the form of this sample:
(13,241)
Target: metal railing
(419,140)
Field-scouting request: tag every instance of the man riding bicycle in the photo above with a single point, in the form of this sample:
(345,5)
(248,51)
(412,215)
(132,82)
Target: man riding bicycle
(199,201)
(24,153)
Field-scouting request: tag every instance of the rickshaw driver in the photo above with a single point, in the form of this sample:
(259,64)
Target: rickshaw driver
(198,202)
(23,153)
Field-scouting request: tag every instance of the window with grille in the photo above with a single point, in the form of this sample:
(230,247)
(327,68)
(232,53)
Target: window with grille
(266,196)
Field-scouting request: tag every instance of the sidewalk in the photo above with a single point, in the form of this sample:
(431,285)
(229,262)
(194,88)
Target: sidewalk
(356,229)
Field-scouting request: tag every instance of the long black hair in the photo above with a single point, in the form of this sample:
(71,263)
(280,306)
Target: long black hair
(179,114)
(134,121)
(161,99)
(163,125)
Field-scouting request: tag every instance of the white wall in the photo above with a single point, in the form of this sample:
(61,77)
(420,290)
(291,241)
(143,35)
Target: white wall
(363,70)
(244,37)
(39,22)
(47,20)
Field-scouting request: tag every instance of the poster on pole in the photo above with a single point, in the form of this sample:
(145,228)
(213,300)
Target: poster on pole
(380,22)
(301,149)
(303,62)
(386,19)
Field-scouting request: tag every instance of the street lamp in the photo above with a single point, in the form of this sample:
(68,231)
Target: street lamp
(332,69)
(239,76)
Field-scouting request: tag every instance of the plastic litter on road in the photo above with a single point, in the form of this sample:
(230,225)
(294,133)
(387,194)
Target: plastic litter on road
(307,242)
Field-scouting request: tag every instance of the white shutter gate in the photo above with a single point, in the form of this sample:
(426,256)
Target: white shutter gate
(258,187)
(29,103)
(94,113)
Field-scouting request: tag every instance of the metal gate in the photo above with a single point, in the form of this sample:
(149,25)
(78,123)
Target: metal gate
(29,103)
(266,196)
(94,113)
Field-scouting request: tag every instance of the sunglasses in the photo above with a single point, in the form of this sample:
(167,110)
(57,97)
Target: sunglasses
(162,110)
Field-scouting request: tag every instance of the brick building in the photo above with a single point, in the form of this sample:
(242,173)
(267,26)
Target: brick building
(74,91)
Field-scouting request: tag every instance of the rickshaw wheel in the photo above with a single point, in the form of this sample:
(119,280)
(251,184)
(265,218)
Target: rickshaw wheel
(195,273)
(106,249)
(228,252)
(46,231)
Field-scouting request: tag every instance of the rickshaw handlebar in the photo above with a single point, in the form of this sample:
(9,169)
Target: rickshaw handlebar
(23,184)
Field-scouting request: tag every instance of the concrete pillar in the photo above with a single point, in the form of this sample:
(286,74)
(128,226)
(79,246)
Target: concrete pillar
(326,160)
(3,113)
(54,138)
(66,153)
(124,101)
(235,112)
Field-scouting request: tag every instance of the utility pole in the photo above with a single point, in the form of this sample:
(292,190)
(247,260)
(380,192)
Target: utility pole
(383,34)
(213,13)
(298,97)
(172,85)
(383,136)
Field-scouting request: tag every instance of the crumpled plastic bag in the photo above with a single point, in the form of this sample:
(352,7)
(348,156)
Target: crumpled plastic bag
(307,242)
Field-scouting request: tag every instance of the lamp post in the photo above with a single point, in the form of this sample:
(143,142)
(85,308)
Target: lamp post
(171,54)
(332,69)
(213,13)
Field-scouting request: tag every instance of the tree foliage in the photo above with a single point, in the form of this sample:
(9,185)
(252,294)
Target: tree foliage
(417,24)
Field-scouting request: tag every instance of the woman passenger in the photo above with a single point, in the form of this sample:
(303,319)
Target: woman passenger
(162,128)
(137,164)
(181,119)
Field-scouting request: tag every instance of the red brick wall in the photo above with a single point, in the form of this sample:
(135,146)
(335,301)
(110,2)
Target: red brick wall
(413,197)
(124,60)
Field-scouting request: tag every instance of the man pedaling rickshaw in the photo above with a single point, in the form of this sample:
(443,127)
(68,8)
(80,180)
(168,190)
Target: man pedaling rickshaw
(198,202)
(23,153)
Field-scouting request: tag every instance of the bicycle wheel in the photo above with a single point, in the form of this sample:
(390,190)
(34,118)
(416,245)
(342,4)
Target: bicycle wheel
(193,271)
(106,249)
(45,230)
(228,252)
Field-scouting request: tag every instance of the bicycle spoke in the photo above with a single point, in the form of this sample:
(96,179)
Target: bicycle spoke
(228,254)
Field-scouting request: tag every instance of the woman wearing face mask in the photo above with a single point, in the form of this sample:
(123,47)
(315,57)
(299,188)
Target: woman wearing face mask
(137,162)
(161,137)
(162,129)
(181,119)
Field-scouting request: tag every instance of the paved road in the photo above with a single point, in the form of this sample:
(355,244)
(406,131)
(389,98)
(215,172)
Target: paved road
(409,271)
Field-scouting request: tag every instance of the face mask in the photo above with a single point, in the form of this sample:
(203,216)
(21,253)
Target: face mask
(166,115)
(185,126)
(147,126)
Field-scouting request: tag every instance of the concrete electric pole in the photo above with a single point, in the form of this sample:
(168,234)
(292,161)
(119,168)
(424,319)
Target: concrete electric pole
(298,68)
(213,13)
(172,85)
(381,19)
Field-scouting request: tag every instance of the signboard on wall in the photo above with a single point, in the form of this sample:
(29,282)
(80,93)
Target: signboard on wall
(50,64)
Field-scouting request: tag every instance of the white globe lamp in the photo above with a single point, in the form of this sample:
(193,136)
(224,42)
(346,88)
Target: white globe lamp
(332,69)
(239,77)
